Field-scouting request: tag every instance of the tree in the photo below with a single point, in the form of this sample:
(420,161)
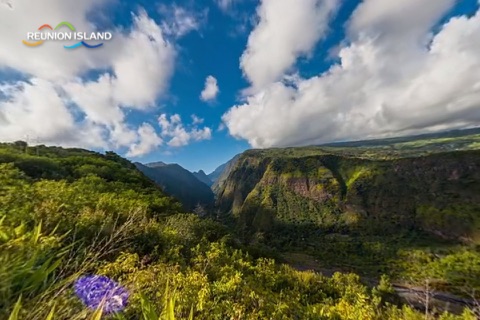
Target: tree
(200,210)
(21,145)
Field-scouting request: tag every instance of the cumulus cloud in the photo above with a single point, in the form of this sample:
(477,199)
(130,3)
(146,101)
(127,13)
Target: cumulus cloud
(178,135)
(147,141)
(394,77)
(211,89)
(37,110)
(286,30)
(56,105)
(143,64)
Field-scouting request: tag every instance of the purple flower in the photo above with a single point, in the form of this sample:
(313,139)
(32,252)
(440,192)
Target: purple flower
(92,290)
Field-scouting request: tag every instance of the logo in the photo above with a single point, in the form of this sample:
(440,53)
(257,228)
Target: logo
(39,37)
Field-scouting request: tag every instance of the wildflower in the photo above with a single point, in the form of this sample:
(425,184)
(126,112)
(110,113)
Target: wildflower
(95,290)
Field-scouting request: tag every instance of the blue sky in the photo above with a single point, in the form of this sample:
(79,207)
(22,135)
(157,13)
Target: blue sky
(221,46)
(289,73)
(215,50)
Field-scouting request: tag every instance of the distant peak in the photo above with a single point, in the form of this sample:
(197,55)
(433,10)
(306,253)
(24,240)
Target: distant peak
(156,164)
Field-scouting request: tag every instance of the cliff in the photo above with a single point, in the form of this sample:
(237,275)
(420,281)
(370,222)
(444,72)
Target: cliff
(347,190)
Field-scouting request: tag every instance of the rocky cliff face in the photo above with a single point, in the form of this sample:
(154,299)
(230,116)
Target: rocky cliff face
(437,193)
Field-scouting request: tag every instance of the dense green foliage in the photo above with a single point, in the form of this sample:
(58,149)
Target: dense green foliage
(66,213)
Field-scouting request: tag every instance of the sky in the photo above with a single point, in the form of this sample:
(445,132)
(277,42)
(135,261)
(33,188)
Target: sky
(197,82)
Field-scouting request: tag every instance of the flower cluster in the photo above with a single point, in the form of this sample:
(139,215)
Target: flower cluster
(96,290)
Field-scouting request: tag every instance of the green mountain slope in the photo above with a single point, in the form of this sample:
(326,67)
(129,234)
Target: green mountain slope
(429,183)
(179,183)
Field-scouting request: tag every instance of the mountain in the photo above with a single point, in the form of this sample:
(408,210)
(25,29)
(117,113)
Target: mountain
(439,138)
(217,172)
(221,173)
(156,164)
(179,183)
(134,235)
(202,176)
(430,185)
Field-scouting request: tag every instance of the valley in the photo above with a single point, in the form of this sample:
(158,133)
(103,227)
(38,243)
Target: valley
(368,230)
(374,208)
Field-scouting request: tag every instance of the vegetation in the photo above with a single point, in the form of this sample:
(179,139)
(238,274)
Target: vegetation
(366,207)
(67,213)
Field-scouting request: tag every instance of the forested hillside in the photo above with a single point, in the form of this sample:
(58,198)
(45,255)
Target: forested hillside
(406,208)
(88,236)
(438,193)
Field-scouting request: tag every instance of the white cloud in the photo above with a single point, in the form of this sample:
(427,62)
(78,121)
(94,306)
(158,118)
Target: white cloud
(38,111)
(395,77)
(211,90)
(286,30)
(179,21)
(221,127)
(144,64)
(55,106)
(7,3)
(178,135)
(148,140)
(197,120)
(201,134)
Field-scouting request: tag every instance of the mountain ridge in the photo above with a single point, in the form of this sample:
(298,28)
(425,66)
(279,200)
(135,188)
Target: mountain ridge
(202,176)
(221,173)
(344,188)
(179,183)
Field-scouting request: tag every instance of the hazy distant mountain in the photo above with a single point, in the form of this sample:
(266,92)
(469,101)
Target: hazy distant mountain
(216,174)
(179,183)
(156,164)
(202,176)
(221,173)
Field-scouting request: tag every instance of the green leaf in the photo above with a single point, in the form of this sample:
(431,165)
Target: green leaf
(16,309)
(190,317)
(37,231)
(20,230)
(4,236)
(97,315)
(148,310)
(171,309)
(51,314)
